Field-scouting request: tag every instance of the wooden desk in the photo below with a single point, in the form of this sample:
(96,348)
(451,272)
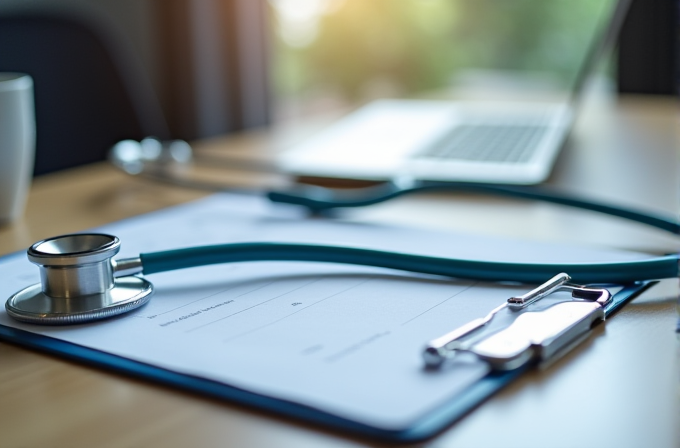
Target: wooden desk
(619,389)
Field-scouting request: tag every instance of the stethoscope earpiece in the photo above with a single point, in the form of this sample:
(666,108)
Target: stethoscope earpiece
(78,282)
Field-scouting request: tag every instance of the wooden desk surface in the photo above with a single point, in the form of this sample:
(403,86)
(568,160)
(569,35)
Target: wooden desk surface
(619,389)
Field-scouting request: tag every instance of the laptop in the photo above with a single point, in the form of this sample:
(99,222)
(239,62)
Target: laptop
(491,141)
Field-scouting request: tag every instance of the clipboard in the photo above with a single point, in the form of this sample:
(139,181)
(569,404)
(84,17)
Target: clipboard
(435,422)
(427,423)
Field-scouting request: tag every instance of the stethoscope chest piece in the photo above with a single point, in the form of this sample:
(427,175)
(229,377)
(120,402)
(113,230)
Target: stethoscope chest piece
(78,284)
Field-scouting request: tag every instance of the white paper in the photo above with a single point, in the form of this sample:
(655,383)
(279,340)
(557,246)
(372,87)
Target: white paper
(343,339)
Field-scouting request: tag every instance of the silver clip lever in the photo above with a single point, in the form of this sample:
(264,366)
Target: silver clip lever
(533,335)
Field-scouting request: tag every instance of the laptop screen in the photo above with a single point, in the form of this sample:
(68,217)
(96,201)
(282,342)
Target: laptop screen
(341,53)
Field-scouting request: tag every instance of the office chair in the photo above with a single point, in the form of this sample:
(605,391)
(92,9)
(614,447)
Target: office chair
(89,92)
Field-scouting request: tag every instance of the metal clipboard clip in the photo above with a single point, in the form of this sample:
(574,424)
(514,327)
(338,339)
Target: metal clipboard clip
(532,335)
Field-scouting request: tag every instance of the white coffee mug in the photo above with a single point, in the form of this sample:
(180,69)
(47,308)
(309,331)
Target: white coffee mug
(17,143)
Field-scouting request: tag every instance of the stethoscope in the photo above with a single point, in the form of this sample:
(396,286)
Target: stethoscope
(81,282)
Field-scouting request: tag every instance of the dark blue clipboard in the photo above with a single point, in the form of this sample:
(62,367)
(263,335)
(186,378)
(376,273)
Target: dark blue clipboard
(433,423)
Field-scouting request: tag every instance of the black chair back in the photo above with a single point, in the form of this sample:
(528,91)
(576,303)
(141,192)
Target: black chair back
(88,95)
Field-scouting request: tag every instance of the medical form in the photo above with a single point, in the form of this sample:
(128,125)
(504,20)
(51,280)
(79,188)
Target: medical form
(345,340)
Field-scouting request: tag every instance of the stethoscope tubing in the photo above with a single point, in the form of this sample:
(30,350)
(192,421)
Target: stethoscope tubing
(621,272)
(69,259)
(321,199)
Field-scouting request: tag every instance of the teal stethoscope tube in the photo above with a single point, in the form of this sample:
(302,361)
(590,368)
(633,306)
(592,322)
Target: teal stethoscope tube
(616,272)
(320,200)
(80,266)
(61,260)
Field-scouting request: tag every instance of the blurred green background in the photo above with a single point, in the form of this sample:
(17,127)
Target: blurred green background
(330,54)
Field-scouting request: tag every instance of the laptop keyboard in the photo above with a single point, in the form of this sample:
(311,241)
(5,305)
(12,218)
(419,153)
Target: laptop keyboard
(487,143)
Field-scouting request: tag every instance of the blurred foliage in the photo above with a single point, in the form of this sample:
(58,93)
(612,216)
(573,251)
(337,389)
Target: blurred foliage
(409,46)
